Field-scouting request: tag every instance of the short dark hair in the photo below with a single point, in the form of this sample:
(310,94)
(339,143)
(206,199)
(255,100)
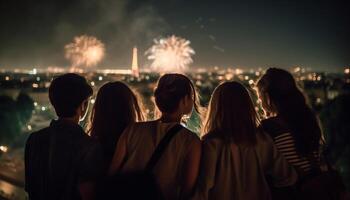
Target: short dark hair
(67,92)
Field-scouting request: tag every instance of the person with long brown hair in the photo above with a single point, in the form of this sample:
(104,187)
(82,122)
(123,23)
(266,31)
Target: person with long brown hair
(116,107)
(294,128)
(290,120)
(177,169)
(236,154)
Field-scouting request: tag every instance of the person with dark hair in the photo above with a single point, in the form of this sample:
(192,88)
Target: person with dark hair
(237,155)
(290,121)
(115,108)
(62,161)
(177,169)
(294,128)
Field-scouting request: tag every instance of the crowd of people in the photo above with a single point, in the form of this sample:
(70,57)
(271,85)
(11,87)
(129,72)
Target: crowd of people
(238,155)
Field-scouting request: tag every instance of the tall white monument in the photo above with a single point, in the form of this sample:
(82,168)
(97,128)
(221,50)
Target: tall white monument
(134,65)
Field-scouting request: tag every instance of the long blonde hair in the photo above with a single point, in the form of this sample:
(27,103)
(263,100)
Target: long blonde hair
(231,114)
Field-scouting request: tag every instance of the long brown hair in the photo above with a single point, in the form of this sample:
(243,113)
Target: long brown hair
(116,107)
(231,114)
(279,90)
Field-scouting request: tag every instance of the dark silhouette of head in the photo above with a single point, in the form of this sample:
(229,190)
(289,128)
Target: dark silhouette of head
(67,93)
(116,106)
(231,114)
(171,90)
(281,96)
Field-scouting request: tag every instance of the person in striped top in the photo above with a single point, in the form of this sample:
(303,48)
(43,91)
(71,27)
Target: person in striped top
(286,144)
(290,121)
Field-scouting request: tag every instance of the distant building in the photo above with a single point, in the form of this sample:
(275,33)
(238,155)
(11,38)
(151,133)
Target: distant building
(134,65)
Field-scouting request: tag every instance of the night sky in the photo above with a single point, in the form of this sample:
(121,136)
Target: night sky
(224,33)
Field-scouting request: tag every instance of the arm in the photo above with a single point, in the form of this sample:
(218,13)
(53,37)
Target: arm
(93,169)
(281,172)
(191,168)
(207,171)
(119,155)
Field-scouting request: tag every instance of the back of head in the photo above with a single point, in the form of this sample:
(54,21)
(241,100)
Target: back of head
(278,87)
(171,89)
(67,92)
(232,115)
(116,107)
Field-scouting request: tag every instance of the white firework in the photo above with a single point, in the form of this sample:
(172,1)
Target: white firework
(170,54)
(84,51)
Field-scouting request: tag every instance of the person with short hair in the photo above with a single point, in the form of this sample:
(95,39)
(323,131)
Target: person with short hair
(237,156)
(176,171)
(62,161)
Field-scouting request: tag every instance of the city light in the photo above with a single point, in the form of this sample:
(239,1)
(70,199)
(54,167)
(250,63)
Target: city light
(34,71)
(238,71)
(4,149)
(229,76)
(347,71)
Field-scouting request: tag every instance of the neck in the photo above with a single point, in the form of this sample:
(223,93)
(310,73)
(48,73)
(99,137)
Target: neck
(74,119)
(171,117)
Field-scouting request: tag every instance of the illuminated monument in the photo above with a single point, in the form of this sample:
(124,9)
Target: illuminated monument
(134,65)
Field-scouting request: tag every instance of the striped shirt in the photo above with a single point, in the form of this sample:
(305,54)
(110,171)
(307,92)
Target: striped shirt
(285,143)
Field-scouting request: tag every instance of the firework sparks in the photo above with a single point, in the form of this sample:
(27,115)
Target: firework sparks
(84,51)
(170,54)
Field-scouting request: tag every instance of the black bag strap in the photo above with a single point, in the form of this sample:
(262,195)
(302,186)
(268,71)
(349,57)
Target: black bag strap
(161,146)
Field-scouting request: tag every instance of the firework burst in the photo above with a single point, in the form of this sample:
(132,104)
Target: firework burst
(84,51)
(170,54)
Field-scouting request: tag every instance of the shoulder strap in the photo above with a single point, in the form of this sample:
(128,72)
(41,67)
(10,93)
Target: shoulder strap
(161,146)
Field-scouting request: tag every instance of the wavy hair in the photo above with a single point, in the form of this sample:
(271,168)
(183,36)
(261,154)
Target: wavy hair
(283,97)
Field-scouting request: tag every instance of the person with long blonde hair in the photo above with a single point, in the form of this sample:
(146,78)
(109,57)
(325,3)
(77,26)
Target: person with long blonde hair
(236,155)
